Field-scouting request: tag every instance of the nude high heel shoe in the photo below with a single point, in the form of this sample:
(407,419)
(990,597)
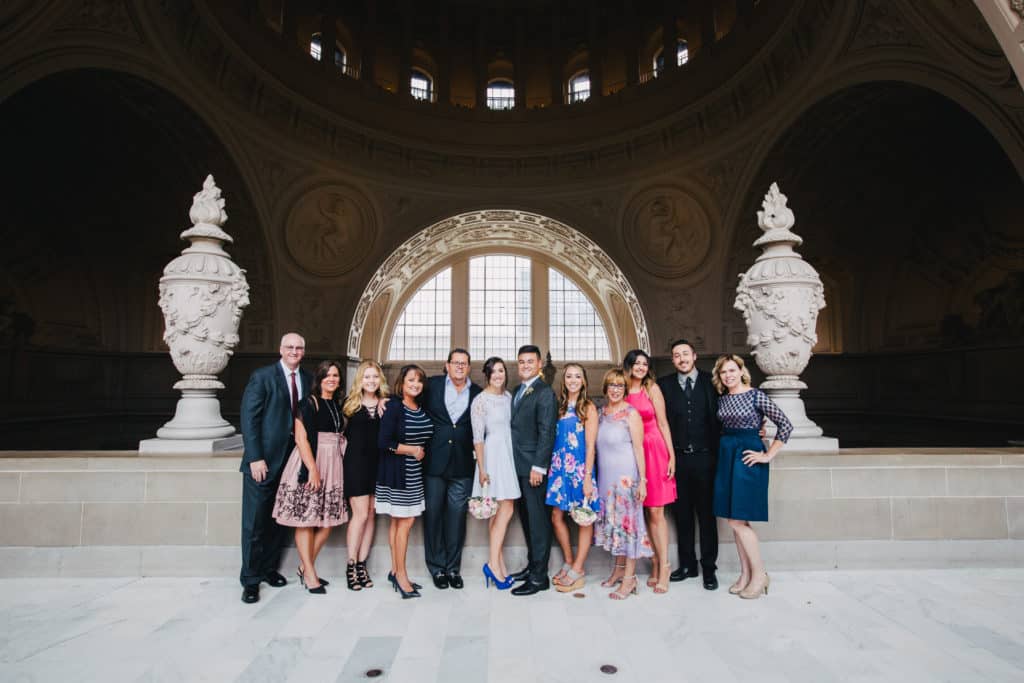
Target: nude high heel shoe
(738,587)
(756,589)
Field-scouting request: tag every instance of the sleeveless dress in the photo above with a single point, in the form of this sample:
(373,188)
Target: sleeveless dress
(620,527)
(568,463)
(491,417)
(297,505)
(362,452)
(741,492)
(410,500)
(661,489)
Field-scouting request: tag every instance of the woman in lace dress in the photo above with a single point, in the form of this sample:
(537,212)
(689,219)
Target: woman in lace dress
(491,416)
(311,494)
(741,481)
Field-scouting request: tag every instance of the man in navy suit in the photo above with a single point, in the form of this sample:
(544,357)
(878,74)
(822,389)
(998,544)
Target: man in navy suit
(448,469)
(270,405)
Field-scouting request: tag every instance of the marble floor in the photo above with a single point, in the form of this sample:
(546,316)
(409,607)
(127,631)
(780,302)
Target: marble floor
(935,625)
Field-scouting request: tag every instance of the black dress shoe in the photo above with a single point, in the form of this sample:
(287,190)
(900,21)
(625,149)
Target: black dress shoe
(710,582)
(529,588)
(682,573)
(521,575)
(455,580)
(251,594)
(440,581)
(275,579)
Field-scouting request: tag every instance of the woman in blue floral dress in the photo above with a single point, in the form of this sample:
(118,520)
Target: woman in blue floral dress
(571,480)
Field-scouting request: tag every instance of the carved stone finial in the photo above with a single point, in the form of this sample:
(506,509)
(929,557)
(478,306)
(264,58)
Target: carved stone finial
(207,213)
(776,215)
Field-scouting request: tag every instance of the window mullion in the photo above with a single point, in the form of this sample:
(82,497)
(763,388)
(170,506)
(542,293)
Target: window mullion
(539,306)
(460,305)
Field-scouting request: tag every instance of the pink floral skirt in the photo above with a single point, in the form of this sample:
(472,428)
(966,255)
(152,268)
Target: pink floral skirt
(297,505)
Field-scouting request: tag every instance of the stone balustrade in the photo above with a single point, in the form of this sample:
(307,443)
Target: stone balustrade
(116,514)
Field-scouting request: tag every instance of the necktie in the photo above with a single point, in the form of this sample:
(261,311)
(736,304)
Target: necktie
(295,397)
(689,388)
(519,394)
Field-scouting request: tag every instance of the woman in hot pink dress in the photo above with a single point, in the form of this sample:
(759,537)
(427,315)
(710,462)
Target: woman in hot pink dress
(659,457)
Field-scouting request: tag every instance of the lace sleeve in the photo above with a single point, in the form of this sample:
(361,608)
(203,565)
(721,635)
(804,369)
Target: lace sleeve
(766,408)
(478,418)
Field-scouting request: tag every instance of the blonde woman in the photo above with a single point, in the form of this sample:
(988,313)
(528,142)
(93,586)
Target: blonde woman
(622,486)
(361,455)
(571,479)
(741,482)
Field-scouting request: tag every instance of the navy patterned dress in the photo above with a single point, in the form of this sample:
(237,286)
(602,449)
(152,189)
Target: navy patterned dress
(741,492)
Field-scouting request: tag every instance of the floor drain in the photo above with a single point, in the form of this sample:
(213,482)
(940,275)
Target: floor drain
(609,669)
(374,673)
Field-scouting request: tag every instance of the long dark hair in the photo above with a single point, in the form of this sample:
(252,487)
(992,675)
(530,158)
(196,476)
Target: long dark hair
(321,374)
(627,366)
(406,369)
(582,402)
(489,369)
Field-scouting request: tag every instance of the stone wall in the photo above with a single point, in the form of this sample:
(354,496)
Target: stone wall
(118,514)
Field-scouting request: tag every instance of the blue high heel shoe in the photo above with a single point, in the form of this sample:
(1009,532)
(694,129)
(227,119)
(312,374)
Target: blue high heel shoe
(489,578)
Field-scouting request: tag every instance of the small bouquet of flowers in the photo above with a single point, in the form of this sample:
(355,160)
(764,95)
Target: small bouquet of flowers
(583,515)
(483,506)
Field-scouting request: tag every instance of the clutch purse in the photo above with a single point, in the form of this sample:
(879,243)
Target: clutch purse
(483,506)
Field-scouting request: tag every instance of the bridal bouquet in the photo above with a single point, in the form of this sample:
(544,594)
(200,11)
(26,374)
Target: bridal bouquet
(583,515)
(483,506)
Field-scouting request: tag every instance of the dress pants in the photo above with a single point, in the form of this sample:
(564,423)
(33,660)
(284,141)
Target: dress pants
(444,522)
(535,516)
(695,486)
(262,536)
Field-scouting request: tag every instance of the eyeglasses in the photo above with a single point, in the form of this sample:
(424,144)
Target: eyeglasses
(294,348)
(616,386)
(459,363)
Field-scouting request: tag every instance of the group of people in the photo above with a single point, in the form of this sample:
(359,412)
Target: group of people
(316,457)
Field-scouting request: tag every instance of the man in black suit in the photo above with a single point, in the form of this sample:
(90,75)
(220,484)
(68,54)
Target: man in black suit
(448,469)
(691,404)
(270,405)
(534,418)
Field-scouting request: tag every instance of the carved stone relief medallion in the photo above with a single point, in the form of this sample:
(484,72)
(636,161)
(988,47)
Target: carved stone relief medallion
(330,230)
(667,231)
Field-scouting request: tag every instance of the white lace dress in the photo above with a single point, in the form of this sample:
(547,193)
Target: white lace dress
(491,416)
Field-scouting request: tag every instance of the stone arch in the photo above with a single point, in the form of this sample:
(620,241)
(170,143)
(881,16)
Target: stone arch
(510,231)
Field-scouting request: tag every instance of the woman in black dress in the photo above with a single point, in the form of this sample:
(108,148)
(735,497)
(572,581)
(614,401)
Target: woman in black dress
(405,431)
(363,428)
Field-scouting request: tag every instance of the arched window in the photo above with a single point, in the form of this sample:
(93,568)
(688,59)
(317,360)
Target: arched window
(579,87)
(682,57)
(421,85)
(423,332)
(316,51)
(501,94)
(501,293)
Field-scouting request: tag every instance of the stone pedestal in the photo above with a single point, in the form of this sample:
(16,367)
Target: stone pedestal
(202,294)
(780,296)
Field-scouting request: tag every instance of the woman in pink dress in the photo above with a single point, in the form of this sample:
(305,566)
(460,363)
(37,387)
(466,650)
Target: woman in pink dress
(644,395)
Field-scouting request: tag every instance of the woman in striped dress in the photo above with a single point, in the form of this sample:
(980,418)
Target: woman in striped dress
(405,431)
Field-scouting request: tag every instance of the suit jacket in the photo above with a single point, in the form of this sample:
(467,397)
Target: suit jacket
(451,448)
(534,420)
(267,424)
(675,407)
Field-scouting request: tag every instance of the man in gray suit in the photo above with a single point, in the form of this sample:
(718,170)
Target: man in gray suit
(534,417)
(270,405)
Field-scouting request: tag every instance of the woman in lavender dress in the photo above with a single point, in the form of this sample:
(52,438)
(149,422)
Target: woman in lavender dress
(741,481)
(621,485)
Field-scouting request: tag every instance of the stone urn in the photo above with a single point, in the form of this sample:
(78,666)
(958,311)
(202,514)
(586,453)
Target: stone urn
(780,296)
(202,294)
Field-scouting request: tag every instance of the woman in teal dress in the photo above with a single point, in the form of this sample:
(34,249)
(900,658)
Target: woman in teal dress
(571,480)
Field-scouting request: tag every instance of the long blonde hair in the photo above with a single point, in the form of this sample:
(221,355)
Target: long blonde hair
(354,400)
(582,402)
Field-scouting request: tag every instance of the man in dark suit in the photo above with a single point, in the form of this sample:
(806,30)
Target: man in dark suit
(691,404)
(534,417)
(270,405)
(448,469)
